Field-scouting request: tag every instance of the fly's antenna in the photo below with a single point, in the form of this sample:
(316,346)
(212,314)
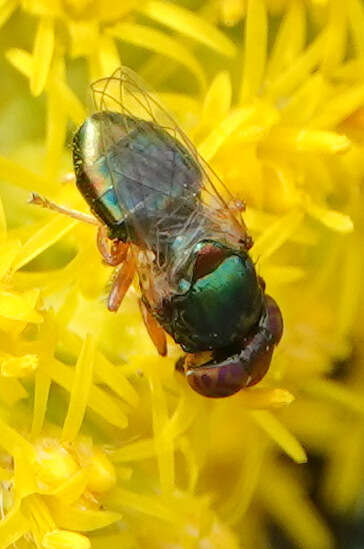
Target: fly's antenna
(43,202)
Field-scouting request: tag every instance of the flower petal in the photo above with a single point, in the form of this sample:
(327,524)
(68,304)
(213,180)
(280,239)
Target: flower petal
(82,381)
(255,49)
(278,432)
(188,23)
(42,55)
(159,42)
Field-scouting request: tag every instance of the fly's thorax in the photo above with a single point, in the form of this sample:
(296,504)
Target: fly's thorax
(219,302)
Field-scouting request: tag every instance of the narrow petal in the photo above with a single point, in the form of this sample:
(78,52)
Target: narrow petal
(337,393)
(217,99)
(8,252)
(303,104)
(43,238)
(289,506)
(21,60)
(333,219)
(298,71)
(24,476)
(56,133)
(99,400)
(164,441)
(212,143)
(70,102)
(20,306)
(22,177)
(63,539)
(42,386)
(82,381)
(148,505)
(255,49)
(12,441)
(356,22)
(13,527)
(42,55)
(190,24)
(81,519)
(335,43)
(306,140)
(135,451)
(11,391)
(264,398)
(109,58)
(338,108)
(159,42)
(72,488)
(278,432)
(113,377)
(6,10)
(289,41)
(276,235)
(238,501)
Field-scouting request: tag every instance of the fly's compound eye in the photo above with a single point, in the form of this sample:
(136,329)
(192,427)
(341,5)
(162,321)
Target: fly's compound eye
(208,258)
(234,373)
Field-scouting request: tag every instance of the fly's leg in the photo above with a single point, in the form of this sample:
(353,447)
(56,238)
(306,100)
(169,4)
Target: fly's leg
(113,251)
(123,278)
(237,206)
(155,331)
(233,211)
(225,375)
(43,202)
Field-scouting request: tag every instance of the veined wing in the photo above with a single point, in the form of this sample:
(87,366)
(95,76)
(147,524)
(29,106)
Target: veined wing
(169,193)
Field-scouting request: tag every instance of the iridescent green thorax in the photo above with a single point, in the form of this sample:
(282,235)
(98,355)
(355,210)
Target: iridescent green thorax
(218,308)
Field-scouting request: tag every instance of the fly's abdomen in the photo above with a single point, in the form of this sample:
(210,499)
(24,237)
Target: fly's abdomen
(135,175)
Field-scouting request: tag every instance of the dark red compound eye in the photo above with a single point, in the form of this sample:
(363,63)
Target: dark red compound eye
(207,260)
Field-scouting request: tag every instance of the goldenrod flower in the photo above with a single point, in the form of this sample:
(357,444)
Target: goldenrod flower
(103,444)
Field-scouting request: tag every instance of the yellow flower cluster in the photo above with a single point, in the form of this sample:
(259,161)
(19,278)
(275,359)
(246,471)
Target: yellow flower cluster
(102,442)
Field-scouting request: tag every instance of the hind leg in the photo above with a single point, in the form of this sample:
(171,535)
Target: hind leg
(155,331)
(113,251)
(123,278)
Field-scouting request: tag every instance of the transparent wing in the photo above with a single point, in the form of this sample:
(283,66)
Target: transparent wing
(169,193)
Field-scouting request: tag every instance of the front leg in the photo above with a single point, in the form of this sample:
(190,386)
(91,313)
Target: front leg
(154,329)
(113,251)
(123,277)
(225,375)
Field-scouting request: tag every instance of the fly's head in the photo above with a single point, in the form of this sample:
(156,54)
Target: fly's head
(225,322)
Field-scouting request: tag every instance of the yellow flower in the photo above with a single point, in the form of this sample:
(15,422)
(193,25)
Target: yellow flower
(94,27)
(102,441)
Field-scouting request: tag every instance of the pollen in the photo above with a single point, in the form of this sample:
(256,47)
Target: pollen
(19,366)
(55,464)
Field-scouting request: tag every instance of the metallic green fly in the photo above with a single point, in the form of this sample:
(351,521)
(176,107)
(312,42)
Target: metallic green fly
(161,215)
